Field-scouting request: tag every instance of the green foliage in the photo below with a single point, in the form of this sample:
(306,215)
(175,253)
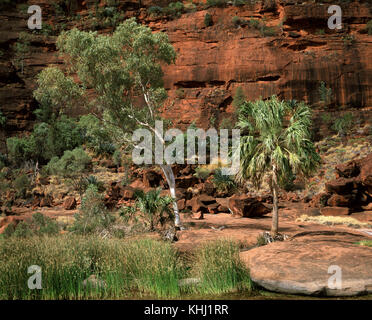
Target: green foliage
(261,26)
(369,27)
(155,11)
(208,21)
(2,120)
(97,137)
(202,173)
(327,118)
(320,32)
(115,83)
(239,98)
(174,9)
(45,141)
(55,93)
(272,142)
(22,185)
(156,208)
(238,3)
(93,217)
(344,124)
(216,3)
(38,225)
(236,21)
(21,48)
(223,183)
(227,123)
(116,157)
(218,266)
(325,93)
(71,163)
(348,40)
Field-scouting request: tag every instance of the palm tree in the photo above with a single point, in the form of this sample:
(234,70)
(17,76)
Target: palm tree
(155,207)
(275,143)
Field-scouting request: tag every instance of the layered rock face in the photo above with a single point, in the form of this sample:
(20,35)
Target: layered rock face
(214,60)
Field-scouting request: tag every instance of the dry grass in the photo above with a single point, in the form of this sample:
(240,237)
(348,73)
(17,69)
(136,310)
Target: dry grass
(330,220)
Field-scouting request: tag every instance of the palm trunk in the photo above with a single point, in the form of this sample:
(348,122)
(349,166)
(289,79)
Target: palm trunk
(275,219)
(169,175)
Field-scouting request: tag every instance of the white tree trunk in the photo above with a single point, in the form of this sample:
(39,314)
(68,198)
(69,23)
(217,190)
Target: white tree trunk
(169,175)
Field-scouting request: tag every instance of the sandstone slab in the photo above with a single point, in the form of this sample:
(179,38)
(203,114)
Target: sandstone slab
(305,267)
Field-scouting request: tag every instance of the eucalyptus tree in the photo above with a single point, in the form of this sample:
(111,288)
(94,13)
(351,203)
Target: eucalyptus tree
(121,77)
(275,144)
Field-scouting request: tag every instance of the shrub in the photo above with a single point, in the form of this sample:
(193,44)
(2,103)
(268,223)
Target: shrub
(325,93)
(22,185)
(344,124)
(174,9)
(268,31)
(156,208)
(369,27)
(96,136)
(238,3)
(45,142)
(236,21)
(208,21)
(116,157)
(155,11)
(223,183)
(216,3)
(202,173)
(254,23)
(38,225)
(70,164)
(21,48)
(348,40)
(93,217)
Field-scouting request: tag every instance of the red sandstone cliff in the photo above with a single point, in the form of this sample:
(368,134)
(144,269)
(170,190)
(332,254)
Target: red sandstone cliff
(213,61)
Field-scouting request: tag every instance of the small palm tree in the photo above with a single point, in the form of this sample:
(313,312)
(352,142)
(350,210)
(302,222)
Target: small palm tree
(275,143)
(154,207)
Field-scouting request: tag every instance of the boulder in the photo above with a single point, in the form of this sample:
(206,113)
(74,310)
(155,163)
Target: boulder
(127,193)
(213,208)
(341,186)
(198,215)
(245,206)
(337,200)
(186,181)
(151,179)
(307,267)
(334,211)
(69,203)
(181,204)
(46,201)
(5,221)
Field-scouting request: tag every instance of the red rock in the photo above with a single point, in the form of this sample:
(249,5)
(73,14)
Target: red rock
(6,221)
(213,208)
(246,206)
(341,185)
(302,266)
(186,181)
(223,209)
(151,178)
(334,211)
(181,204)
(127,193)
(46,201)
(198,215)
(337,200)
(69,203)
